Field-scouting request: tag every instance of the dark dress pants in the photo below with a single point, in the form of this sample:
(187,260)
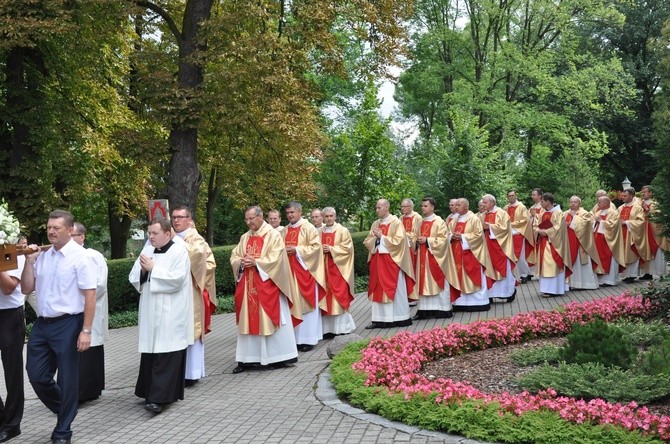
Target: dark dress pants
(12,336)
(53,346)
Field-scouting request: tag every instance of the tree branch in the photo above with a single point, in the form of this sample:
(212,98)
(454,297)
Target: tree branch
(164,15)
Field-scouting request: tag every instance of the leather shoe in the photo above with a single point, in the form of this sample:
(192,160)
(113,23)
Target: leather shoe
(60,441)
(190,382)
(525,279)
(372,325)
(511,298)
(239,369)
(629,280)
(6,435)
(646,277)
(153,407)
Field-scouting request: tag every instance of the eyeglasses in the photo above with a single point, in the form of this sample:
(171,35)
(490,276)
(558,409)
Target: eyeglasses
(181,217)
(250,220)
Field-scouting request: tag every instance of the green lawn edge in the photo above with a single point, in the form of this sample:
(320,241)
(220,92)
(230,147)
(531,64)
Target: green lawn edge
(471,419)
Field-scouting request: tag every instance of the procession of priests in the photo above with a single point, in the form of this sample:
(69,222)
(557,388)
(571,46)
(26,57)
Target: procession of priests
(295,283)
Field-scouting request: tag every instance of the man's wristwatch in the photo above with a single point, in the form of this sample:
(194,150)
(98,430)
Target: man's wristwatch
(86,330)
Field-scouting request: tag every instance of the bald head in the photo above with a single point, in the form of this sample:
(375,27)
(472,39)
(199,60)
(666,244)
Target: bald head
(382,208)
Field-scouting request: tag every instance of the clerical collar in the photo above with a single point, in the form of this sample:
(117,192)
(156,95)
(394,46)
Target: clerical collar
(297,224)
(463,217)
(429,218)
(493,210)
(164,248)
(514,204)
(182,234)
(555,208)
(327,229)
(453,215)
(384,220)
(629,204)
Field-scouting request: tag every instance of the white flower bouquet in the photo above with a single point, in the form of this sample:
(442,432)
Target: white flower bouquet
(9,226)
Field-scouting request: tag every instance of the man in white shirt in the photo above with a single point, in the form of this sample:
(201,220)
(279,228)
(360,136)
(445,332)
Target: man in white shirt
(12,335)
(92,363)
(64,281)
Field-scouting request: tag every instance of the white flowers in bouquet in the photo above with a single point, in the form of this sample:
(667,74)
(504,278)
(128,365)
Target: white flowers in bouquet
(9,226)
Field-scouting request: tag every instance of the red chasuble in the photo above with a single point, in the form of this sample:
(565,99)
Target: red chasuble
(383,274)
(544,240)
(259,294)
(625,215)
(465,261)
(337,287)
(408,224)
(518,239)
(425,258)
(306,282)
(497,255)
(572,239)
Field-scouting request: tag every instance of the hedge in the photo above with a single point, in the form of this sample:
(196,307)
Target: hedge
(122,295)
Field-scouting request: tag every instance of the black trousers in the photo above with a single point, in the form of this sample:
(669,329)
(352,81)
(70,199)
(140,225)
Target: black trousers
(12,336)
(161,377)
(53,346)
(92,373)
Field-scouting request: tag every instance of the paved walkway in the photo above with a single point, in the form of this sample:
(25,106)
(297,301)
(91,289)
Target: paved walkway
(260,406)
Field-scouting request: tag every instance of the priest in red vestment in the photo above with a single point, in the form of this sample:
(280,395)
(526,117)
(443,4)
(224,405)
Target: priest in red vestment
(432,246)
(338,254)
(634,231)
(391,283)
(467,261)
(262,296)
(609,243)
(658,243)
(303,246)
(583,253)
(500,245)
(553,248)
(523,237)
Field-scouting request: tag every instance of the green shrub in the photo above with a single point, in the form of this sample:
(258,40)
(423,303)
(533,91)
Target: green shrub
(598,342)
(643,334)
(536,355)
(656,360)
(658,292)
(595,380)
(121,319)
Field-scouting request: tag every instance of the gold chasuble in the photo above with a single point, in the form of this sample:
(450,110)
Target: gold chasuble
(554,249)
(339,265)
(305,238)
(384,268)
(464,267)
(257,292)
(520,220)
(580,237)
(609,243)
(655,232)
(502,247)
(412,224)
(432,256)
(203,267)
(636,245)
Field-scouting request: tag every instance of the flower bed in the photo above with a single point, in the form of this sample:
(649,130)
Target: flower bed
(393,364)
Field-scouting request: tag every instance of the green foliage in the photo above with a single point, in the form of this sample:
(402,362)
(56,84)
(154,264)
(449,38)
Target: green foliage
(537,355)
(595,380)
(598,342)
(120,319)
(641,333)
(656,360)
(225,304)
(658,292)
(473,420)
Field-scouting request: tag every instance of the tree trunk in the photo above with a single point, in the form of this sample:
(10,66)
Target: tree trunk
(212,193)
(184,173)
(119,232)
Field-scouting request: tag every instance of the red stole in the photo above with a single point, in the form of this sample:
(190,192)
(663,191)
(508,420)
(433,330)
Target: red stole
(511,211)
(260,294)
(305,280)
(465,261)
(625,215)
(383,273)
(498,258)
(428,259)
(572,239)
(337,287)
(544,241)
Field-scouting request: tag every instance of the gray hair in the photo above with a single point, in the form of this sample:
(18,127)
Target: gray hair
(329,210)
(489,197)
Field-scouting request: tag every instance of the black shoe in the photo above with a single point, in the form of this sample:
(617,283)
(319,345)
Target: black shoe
(329,335)
(510,299)
(439,314)
(420,315)
(305,347)
(239,369)
(153,407)
(372,325)
(629,280)
(525,279)
(646,277)
(60,441)
(404,323)
(190,382)
(6,435)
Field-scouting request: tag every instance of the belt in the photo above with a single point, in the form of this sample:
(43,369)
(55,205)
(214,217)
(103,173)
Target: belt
(56,319)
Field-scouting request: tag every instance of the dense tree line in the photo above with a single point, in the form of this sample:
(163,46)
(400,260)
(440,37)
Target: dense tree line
(218,104)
